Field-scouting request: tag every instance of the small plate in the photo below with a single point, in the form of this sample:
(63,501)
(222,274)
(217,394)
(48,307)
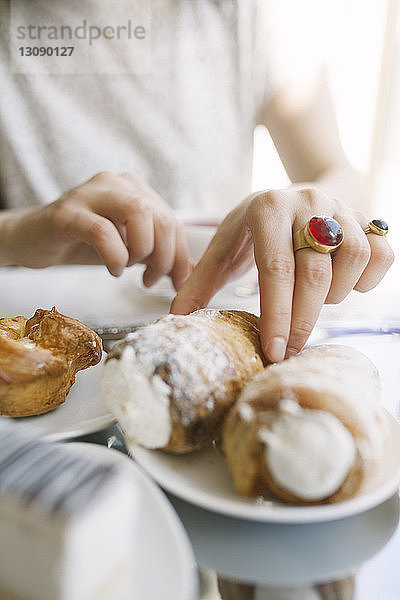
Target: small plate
(82,413)
(166,565)
(203,479)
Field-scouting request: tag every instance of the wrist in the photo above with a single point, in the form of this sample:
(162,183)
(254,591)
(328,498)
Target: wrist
(9,241)
(5,258)
(346,183)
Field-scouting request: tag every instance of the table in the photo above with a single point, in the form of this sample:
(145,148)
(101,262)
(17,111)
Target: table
(315,551)
(90,294)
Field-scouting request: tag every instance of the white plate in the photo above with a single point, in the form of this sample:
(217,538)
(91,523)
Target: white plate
(166,565)
(202,478)
(82,413)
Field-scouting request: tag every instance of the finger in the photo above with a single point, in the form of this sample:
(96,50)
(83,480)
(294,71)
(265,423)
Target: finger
(102,235)
(198,288)
(183,264)
(381,259)
(313,279)
(162,259)
(150,229)
(349,261)
(132,215)
(140,233)
(273,252)
(225,256)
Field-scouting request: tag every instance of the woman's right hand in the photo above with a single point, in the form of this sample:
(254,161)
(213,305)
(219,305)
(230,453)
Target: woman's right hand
(116,220)
(294,285)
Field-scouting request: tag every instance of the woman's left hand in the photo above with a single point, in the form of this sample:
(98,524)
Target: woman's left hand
(293,285)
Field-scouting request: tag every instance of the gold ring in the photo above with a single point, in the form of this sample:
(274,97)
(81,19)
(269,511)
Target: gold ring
(377,226)
(323,234)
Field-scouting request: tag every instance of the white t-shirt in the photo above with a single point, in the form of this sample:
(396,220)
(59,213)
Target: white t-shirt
(186,126)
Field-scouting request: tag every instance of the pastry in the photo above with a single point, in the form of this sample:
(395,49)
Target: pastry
(170,383)
(309,429)
(67,522)
(39,358)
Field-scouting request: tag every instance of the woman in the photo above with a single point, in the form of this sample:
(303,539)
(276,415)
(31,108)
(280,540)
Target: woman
(185,129)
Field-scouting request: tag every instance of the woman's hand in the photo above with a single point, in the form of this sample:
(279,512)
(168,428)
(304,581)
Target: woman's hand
(110,219)
(293,286)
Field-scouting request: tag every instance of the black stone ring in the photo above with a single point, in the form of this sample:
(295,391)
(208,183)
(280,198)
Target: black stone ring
(377,226)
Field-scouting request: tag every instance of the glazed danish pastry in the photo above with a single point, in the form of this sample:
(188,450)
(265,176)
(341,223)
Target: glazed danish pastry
(309,429)
(39,358)
(170,383)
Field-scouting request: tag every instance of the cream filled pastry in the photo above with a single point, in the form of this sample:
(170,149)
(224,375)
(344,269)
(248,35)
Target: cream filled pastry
(171,383)
(309,429)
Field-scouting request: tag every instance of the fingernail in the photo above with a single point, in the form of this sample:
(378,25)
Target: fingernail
(148,278)
(117,271)
(275,349)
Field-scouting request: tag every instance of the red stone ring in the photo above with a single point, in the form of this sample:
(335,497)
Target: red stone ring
(322,234)
(377,226)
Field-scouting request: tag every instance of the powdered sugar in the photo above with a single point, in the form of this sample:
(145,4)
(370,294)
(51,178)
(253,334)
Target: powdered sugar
(184,350)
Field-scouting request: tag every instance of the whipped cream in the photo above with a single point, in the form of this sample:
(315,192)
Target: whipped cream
(139,401)
(308,452)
